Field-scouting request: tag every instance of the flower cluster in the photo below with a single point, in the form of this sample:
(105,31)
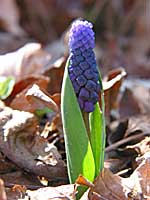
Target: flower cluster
(82,69)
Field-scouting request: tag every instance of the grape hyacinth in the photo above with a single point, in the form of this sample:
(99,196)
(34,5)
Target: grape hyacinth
(82,68)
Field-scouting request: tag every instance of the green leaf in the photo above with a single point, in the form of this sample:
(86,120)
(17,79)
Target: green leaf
(97,132)
(6,86)
(96,137)
(79,154)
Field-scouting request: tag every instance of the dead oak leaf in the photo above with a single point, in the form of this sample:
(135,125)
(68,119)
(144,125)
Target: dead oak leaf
(109,186)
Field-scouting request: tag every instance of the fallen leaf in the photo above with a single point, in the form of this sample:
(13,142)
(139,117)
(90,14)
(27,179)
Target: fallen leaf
(128,105)
(108,186)
(138,124)
(132,102)
(55,72)
(66,192)
(111,84)
(28,60)
(21,143)
(21,86)
(130,128)
(124,134)
(18,99)
(36,96)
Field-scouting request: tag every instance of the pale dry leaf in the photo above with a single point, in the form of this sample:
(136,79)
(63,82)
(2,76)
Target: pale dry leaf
(64,192)
(30,59)
(21,143)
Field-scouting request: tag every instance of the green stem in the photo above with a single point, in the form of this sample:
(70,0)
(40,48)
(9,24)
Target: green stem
(86,121)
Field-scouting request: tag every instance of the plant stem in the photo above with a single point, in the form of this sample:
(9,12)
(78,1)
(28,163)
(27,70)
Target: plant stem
(86,121)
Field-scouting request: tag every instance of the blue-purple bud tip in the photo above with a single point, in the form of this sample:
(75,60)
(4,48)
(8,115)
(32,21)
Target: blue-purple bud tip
(82,69)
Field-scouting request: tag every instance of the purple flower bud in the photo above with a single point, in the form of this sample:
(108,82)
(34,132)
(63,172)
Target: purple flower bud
(81,80)
(89,74)
(84,94)
(88,106)
(90,85)
(82,70)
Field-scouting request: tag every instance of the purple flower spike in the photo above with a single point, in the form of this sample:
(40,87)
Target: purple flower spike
(82,70)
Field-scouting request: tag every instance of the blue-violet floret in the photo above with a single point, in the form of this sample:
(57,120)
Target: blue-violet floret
(82,69)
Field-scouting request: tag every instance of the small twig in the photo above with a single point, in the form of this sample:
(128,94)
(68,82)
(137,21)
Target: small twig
(123,141)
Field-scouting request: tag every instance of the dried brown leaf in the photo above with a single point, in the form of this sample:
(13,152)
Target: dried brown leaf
(55,72)
(28,60)
(108,186)
(138,124)
(132,102)
(21,87)
(40,98)
(111,84)
(20,142)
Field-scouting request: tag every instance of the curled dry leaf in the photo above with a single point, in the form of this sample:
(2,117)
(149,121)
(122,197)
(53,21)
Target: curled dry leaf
(18,99)
(20,142)
(36,95)
(30,59)
(21,87)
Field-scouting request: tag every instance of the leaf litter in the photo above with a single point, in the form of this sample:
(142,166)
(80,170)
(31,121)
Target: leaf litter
(32,154)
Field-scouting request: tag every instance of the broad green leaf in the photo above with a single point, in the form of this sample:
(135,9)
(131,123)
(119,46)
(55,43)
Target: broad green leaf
(6,86)
(96,136)
(78,149)
(97,133)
